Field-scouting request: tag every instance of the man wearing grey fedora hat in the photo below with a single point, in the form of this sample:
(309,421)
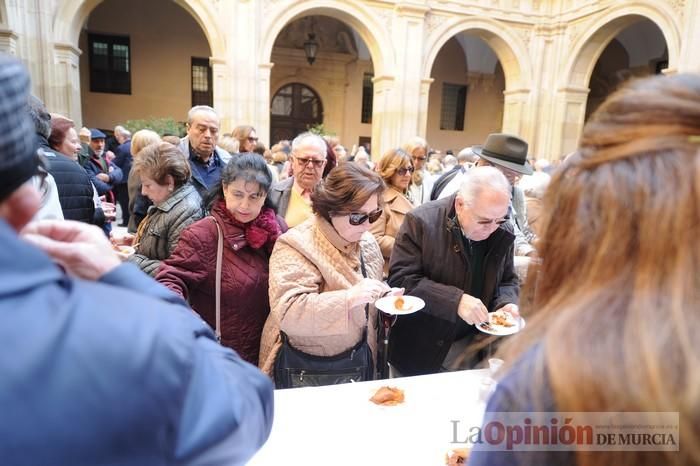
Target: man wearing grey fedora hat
(101,364)
(508,153)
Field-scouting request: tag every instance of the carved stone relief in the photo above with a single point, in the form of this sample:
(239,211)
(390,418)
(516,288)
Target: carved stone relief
(385,16)
(433,21)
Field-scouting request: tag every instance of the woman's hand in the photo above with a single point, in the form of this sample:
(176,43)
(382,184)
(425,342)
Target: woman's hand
(367,290)
(126,239)
(82,249)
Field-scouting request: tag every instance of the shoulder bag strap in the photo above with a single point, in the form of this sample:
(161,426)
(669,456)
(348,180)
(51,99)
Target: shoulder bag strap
(364,274)
(217,283)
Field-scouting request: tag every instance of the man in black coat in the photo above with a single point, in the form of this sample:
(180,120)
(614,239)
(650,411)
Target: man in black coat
(457,255)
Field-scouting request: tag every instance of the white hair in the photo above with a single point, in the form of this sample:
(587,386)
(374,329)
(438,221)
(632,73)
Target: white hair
(309,139)
(480,179)
(466,155)
(119,130)
(200,108)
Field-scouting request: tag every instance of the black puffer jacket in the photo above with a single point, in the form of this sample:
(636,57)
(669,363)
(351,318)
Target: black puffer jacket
(75,192)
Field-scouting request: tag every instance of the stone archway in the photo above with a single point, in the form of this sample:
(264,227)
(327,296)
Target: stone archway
(573,89)
(588,47)
(64,95)
(366,24)
(513,55)
(72,14)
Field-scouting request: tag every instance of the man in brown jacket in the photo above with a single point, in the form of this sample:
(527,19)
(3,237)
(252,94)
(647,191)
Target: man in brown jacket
(457,255)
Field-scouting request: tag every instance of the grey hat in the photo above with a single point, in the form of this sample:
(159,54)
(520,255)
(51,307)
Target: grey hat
(18,141)
(505,150)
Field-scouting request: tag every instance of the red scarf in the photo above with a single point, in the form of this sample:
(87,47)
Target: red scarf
(263,231)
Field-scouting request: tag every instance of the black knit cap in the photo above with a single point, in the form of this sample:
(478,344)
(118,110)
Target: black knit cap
(18,142)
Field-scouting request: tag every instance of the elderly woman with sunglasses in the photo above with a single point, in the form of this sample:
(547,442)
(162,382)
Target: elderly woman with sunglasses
(318,290)
(396,169)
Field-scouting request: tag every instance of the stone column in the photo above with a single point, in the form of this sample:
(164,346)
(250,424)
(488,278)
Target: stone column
(397,99)
(63,93)
(424,102)
(223,101)
(515,113)
(410,104)
(569,117)
(242,37)
(262,124)
(689,56)
(549,47)
(384,118)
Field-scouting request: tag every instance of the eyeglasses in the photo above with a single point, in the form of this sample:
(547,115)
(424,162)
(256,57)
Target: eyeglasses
(315,162)
(359,219)
(499,221)
(403,171)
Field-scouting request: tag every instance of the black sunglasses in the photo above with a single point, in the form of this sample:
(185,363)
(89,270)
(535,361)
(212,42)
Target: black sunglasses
(359,219)
(403,171)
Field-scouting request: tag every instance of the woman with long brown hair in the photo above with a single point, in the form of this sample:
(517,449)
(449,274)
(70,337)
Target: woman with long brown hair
(396,169)
(612,302)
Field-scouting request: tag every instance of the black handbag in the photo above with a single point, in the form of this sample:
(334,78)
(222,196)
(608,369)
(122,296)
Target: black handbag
(294,368)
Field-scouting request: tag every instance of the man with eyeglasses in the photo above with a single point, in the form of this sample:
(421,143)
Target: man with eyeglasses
(507,153)
(205,157)
(457,255)
(293,195)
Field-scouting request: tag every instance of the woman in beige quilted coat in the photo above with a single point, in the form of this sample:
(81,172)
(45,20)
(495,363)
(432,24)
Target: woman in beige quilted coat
(395,168)
(164,172)
(317,291)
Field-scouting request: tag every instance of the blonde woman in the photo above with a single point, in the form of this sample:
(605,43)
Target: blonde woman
(138,204)
(246,136)
(614,295)
(396,169)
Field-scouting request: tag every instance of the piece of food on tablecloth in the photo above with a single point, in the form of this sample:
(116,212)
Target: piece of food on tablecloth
(388,396)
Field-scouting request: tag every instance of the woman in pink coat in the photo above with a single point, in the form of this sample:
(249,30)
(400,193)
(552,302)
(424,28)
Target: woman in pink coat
(317,289)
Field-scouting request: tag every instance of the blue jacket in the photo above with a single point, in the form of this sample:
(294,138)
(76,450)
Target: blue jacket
(520,391)
(92,167)
(116,372)
(123,160)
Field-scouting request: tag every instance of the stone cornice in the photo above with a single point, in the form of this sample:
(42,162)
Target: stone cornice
(69,48)
(411,9)
(8,34)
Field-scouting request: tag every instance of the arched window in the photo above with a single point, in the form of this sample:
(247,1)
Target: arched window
(294,108)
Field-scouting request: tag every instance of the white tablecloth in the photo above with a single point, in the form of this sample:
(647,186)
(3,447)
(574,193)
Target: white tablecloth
(338,425)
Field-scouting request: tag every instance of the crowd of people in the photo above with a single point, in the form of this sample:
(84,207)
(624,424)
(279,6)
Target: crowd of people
(243,256)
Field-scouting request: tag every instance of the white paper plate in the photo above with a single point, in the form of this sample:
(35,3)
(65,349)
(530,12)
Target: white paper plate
(500,330)
(411,304)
